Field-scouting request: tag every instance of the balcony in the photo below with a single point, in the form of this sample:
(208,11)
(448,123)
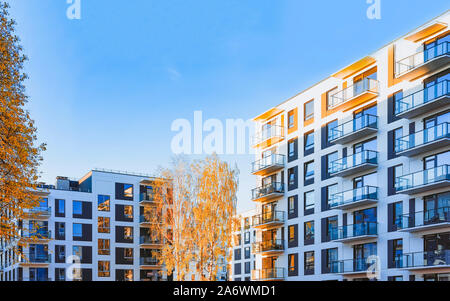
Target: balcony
(354,267)
(268,136)
(269,220)
(433,219)
(39,213)
(423,101)
(270,247)
(422,181)
(358,93)
(273,274)
(268,165)
(145,221)
(145,198)
(425,262)
(35,260)
(149,263)
(423,62)
(366,195)
(424,141)
(356,163)
(39,236)
(146,242)
(354,129)
(268,192)
(355,233)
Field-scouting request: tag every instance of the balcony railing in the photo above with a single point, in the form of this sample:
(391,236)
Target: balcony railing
(267,190)
(352,92)
(268,217)
(423,180)
(426,139)
(420,99)
(354,161)
(41,210)
(352,232)
(268,274)
(148,240)
(352,197)
(276,245)
(149,261)
(38,234)
(429,259)
(36,258)
(353,126)
(145,197)
(359,265)
(420,58)
(274,132)
(424,220)
(271,161)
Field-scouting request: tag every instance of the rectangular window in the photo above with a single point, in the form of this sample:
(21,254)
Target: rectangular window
(292,150)
(104,247)
(77,208)
(398,133)
(61,230)
(291,205)
(309,110)
(104,269)
(103,224)
(128,233)
(309,263)
(128,212)
(292,178)
(309,202)
(104,203)
(330,132)
(397,251)
(291,119)
(309,172)
(309,143)
(237,254)
(61,206)
(77,230)
(330,158)
(332,260)
(78,251)
(247,267)
(292,265)
(331,191)
(309,233)
(128,190)
(291,233)
(398,215)
(247,253)
(398,172)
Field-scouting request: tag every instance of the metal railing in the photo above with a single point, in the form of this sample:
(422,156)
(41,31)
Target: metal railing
(274,131)
(355,160)
(269,245)
(266,274)
(424,218)
(149,261)
(354,125)
(354,195)
(423,137)
(41,210)
(413,61)
(145,197)
(271,160)
(35,258)
(268,189)
(38,234)
(148,240)
(358,88)
(353,231)
(423,259)
(421,178)
(350,265)
(421,97)
(268,217)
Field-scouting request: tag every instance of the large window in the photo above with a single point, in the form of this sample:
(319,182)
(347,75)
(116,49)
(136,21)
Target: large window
(247,253)
(397,249)
(237,254)
(61,206)
(331,260)
(309,173)
(309,202)
(104,269)
(309,263)
(103,224)
(309,143)
(291,234)
(398,214)
(104,247)
(309,110)
(77,207)
(309,233)
(77,230)
(331,191)
(330,127)
(103,202)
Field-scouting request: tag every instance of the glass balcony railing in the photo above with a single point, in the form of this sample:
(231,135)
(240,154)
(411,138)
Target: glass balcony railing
(266,162)
(148,240)
(354,196)
(268,217)
(268,274)
(36,258)
(423,137)
(352,126)
(144,219)
(422,97)
(430,259)
(36,234)
(41,210)
(413,61)
(359,88)
(145,197)
(149,261)
(354,231)
(272,132)
(422,178)
(268,246)
(268,189)
(350,266)
(424,218)
(353,161)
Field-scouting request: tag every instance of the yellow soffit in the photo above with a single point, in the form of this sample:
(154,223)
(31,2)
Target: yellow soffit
(426,32)
(355,67)
(268,114)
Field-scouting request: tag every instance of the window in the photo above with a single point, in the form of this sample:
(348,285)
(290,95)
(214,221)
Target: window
(77,230)
(104,247)
(292,234)
(247,252)
(103,203)
(124,192)
(237,270)
(397,251)
(247,223)
(292,178)
(61,206)
(103,224)
(78,252)
(309,110)
(330,158)
(238,239)
(128,233)
(128,254)
(309,173)
(291,119)
(331,260)
(398,171)
(103,269)
(332,228)
(330,133)
(309,263)
(247,267)
(237,254)
(61,229)
(77,207)
(292,265)
(292,150)
(309,233)
(61,253)
(398,215)
(309,143)
(128,190)
(291,206)
(309,202)
(398,133)
(331,191)
(128,212)
(247,237)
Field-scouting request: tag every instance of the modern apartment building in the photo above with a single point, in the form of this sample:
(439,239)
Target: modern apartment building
(244,250)
(99,222)
(354,171)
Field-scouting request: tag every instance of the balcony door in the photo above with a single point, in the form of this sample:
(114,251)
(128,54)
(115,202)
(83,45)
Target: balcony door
(436,48)
(436,208)
(436,86)
(437,249)
(364,221)
(361,253)
(431,164)
(432,129)
(359,121)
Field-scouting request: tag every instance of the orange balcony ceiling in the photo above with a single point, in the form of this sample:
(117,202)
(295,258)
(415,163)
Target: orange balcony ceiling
(426,32)
(354,68)
(268,114)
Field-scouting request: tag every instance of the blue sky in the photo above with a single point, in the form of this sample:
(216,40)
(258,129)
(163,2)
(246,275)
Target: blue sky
(104,90)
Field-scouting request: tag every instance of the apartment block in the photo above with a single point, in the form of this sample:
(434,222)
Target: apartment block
(354,171)
(91,229)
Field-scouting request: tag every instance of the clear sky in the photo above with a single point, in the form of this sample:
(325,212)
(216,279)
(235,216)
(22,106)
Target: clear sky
(104,90)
